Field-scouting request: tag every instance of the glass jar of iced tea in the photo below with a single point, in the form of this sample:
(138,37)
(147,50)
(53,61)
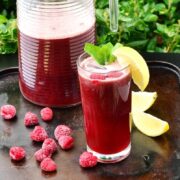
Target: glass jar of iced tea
(52,34)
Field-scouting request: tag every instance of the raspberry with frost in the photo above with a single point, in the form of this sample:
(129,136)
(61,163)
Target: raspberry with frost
(46,114)
(8,111)
(17,153)
(87,159)
(66,142)
(50,145)
(30,119)
(42,154)
(39,134)
(97,76)
(48,165)
(62,130)
(114,74)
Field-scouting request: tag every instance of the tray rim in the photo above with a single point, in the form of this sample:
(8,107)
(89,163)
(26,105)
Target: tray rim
(165,65)
(9,70)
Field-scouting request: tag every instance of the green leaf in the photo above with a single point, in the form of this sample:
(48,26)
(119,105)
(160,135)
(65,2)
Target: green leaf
(168,31)
(92,51)
(101,3)
(3,19)
(3,28)
(160,7)
(137,44)
(125,18)
(152,45)
(151,18)
(99,15)
(102,54)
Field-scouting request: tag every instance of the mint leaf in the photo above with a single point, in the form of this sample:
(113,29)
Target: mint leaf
(102,54)
(93,51)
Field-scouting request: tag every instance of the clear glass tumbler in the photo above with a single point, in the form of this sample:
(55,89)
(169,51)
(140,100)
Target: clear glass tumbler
(52,34)
(106,102)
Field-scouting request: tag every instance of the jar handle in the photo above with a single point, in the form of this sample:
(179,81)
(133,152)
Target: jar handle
(113,10)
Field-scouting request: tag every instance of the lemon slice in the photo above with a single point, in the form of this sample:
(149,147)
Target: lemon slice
(149,125)
(141,101)
(139,68)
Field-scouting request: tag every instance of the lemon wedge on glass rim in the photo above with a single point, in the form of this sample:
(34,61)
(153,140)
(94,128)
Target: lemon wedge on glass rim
(139,68)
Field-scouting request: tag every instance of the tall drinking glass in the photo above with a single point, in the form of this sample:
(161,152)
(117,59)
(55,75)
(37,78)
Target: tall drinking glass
(106,102)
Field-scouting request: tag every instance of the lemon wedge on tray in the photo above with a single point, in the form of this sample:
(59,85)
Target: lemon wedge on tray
(149,124)
(139,68)
(141,101)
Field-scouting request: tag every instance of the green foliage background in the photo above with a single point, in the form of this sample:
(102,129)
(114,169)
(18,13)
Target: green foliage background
(146,25)
(8,27)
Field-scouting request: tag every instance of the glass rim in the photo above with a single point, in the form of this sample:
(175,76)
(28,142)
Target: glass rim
(84,54)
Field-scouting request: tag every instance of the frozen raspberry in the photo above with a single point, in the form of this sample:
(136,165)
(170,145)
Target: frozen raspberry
(97,76)
(46,114)
(50,145)
(39,134)
(30,119)
(42,154)
(48,165)
(114,74)
(87,159)
(62,130)
(8,111)
(17,153)
(66,142)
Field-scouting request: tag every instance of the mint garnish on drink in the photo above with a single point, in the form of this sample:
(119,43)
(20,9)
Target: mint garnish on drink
(102,54)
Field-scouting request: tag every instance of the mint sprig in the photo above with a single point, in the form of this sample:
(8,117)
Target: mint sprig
(102,54)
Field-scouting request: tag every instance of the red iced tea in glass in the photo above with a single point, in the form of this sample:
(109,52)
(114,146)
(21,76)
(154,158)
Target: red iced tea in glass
(106,101)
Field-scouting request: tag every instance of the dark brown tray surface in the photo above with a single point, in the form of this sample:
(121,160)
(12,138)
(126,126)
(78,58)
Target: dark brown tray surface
(150,158)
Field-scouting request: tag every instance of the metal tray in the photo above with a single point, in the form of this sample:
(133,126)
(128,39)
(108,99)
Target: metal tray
(150,158)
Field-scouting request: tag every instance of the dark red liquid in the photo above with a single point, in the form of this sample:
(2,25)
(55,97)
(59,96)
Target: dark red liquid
(106,107)
(48,70)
